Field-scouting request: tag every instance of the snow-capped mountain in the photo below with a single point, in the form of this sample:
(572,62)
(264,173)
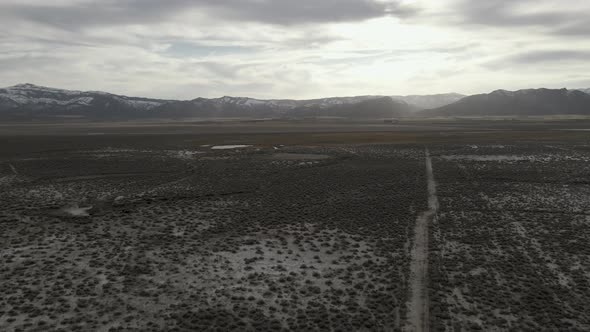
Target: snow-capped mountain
(286,104)
(29,95)
(250,107)
(522,102)
(28,101)
(430,101)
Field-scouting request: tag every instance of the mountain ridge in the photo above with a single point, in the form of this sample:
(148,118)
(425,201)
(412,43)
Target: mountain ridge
(431,101)
(525,102)
(29,101)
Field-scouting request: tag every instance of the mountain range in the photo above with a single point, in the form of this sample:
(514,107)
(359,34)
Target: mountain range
(430,101)
(28,101)
(25,102)
(529,102)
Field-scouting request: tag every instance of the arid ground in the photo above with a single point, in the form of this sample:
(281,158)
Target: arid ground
(446,226)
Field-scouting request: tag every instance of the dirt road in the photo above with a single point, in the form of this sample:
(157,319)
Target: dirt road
(418,306)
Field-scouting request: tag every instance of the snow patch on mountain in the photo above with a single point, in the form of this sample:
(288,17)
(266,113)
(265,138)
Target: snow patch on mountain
(39,96)
(139,104)
(31,101)
(283,104)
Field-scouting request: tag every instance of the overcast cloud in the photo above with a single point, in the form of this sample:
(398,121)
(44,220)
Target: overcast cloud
(294,49)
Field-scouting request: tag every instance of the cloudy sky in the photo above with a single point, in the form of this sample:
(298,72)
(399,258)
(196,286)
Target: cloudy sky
(294,49)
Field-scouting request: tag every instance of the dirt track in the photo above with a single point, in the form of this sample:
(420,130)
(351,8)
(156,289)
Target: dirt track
(418,307)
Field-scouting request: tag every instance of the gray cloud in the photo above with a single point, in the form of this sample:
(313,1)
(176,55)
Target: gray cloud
(503,13)
(523,13)
(278,12)
(189,49)
(311,40)
(291,48)
(98,13)
(23,62)
(539,57)
(550,56)
(219,69)
(576,29)
(287,12)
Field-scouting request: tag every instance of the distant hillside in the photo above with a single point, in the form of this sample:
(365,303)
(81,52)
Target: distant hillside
(379,108)
(430,101)
(242,107)
(522,102)
(584,90)
(27,102)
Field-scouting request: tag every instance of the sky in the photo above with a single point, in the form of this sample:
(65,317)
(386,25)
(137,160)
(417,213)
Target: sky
(184,49)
